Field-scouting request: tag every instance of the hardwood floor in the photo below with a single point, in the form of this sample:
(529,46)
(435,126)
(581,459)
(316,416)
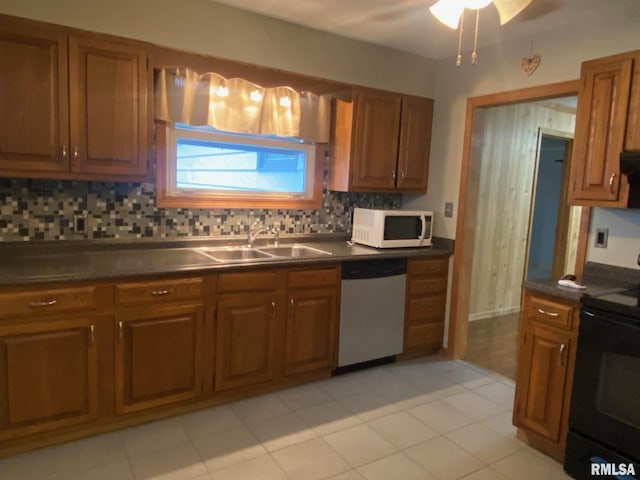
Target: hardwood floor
(493,344)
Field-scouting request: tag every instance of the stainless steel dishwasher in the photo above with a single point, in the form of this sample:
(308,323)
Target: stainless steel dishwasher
(371,311)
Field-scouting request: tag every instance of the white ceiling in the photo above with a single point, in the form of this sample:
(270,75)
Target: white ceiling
(408,25)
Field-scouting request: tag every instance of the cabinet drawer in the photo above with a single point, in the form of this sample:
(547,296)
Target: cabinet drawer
(424,335)
(314,278)
(159,291)
(427,285)
(550,312)
(265,280)
(47,301)
(434,266)
(426,309)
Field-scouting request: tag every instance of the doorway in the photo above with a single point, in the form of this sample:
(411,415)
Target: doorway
(551,249)
(503,177)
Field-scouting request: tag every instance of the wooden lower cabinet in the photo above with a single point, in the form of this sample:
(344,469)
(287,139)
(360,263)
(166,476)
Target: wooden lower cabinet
(48,375)
(246,334)
(425,305)
(546,358)
(158,359)
(311,330)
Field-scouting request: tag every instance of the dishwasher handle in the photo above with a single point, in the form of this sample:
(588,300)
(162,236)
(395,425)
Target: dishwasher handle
(360,270)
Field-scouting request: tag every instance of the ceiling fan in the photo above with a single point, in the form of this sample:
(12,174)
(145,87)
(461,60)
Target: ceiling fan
(450,12)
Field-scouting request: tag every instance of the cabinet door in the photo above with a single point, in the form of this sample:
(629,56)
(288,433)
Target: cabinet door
(375,141)
(108,114)
(415,144)
(246,339)
(34,108)
(311,330)
(601,119)
(542,375)
(158,358)
(48,375)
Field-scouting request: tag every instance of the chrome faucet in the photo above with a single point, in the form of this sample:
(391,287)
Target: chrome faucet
(256,230)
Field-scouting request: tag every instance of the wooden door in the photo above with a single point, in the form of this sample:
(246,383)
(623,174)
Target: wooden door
(246,339)
(34,130)
(603,103)
(415,144)
(48,375)
(375,141)
(158,359)
(108,107)
(311,330)
(542,376)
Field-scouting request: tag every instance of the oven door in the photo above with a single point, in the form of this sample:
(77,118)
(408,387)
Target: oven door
(605,403)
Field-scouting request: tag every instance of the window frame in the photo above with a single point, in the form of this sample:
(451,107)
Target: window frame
(166,197)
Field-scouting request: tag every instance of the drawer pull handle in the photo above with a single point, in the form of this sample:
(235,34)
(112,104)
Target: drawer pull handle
(161,293)
(273,309)
(46,303)
(92,334)
(121,330)
(548,314)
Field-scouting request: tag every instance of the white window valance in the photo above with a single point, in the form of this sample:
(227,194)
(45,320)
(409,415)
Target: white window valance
(240,106)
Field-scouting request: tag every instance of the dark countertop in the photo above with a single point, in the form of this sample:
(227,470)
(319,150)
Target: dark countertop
(35,263)
(598,278)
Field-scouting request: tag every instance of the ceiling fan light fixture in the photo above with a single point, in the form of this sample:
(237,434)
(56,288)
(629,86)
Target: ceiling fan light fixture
(448,12)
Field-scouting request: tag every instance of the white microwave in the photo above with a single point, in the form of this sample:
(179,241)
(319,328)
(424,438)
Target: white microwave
(392,228)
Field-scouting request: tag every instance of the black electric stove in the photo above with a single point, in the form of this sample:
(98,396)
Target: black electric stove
(604,419)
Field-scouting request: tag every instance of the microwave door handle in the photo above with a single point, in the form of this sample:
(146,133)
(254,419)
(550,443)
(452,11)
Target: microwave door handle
(424,228)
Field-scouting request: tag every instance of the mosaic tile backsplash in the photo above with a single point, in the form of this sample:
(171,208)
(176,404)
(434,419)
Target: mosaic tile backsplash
(45,210)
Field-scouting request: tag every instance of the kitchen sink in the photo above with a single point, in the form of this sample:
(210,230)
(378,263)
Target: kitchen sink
(246,254)
(234,254)
(301,251)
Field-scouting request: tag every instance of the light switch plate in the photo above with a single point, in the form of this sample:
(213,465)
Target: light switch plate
(602,237)
(448,209)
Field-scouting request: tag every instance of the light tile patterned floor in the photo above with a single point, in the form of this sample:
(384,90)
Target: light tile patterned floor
(425,419)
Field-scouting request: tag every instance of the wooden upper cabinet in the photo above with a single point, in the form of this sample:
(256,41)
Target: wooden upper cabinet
(607,122)
(73,105)
(108,101)
(381,142)
(375,140)
(415,144)
(34,127)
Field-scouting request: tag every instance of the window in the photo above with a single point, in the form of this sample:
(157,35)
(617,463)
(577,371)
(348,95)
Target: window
(203,167)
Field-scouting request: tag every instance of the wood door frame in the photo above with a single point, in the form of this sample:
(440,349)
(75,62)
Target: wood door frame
(464,244)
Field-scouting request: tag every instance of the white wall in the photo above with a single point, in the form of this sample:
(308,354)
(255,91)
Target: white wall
(499,70)
(623,246)
(205,27)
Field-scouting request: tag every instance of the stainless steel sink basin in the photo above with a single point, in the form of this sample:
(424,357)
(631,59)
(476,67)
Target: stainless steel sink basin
(234,254)
(246,254)
(297,251)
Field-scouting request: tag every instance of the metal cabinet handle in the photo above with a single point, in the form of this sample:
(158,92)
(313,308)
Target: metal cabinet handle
(160,293)
(273,309)
(611,180)
(548,314)
(75,152)
(121,330)
(393,174)
(402,175)
(92,334)
(562,349)
(64,151)
(46,303)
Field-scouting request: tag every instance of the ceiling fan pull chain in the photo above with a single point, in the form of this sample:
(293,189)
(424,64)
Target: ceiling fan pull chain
(459,57)
(474,54)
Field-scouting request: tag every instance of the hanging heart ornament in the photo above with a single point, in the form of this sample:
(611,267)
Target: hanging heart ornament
(529,64)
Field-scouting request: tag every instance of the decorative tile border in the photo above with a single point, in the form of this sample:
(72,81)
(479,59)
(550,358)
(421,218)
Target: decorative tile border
(33,209)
